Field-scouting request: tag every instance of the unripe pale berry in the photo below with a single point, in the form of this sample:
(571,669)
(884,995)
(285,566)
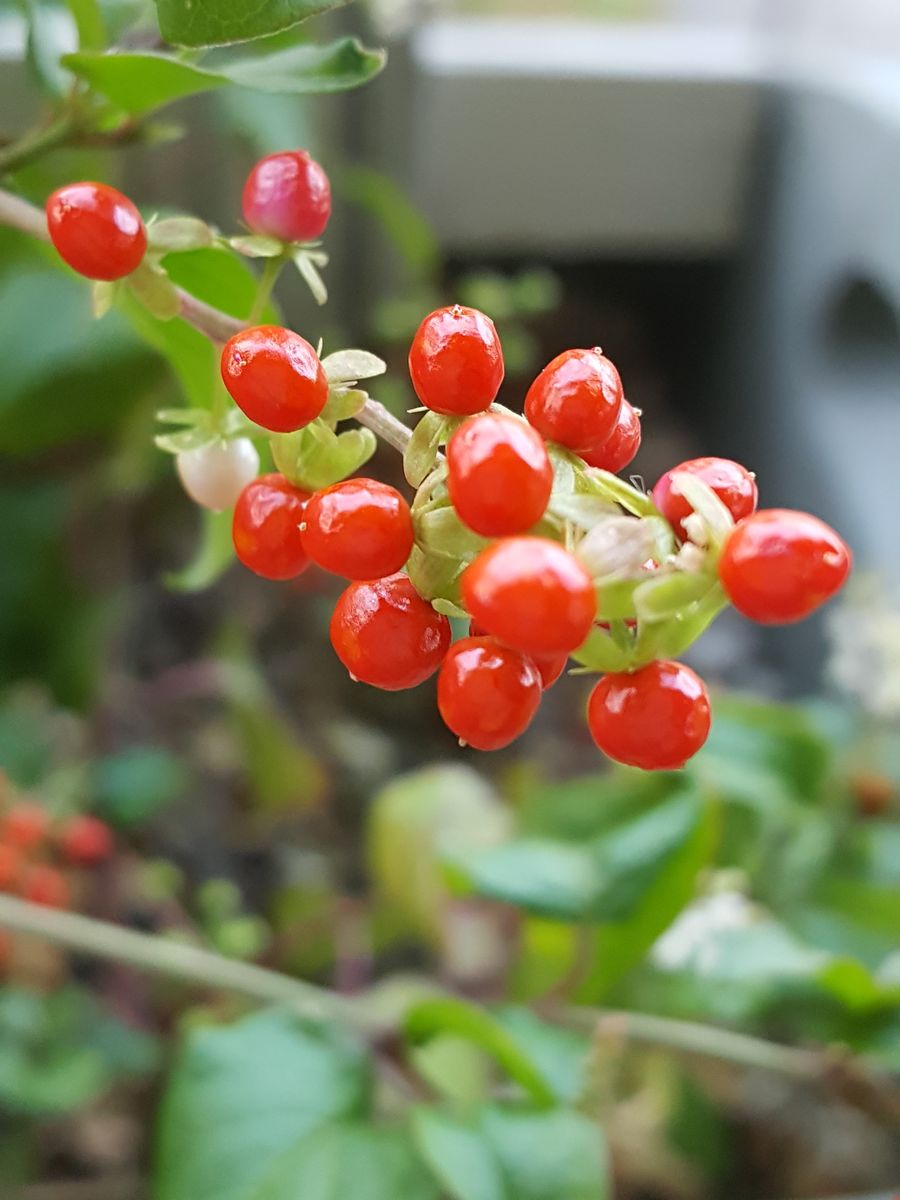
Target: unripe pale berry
(215,475)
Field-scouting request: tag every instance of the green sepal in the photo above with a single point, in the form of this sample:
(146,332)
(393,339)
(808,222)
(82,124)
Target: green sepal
(308,263)
(433,576)
(448,609)
(153,288)
(424,445)
(103,297)
(316,456)
(349,366)
(174,234)
(581,510)
(670,595)
(611,487)
(257,245)
(599,652)
(440,531)
(343,403)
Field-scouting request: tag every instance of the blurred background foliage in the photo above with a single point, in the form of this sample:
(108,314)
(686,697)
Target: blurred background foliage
(744,913)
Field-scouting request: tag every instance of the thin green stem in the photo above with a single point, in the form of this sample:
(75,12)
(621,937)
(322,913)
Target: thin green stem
(161,956)
(36,143)
(267,280)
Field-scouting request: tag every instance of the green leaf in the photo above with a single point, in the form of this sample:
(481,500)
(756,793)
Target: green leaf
(559,1054)
(140,82)
(401,220)
(89,23)
(130,787)
(417,818)
(214,554)
(611,487)
(421,453)
(242,1096)
(349,366)
(218,22)
(349,1159)
(600,653)
(602,880)
(44,46)
(434,576)
(174,234)
(505,1153)
(154,289)
(308,68)
(444,1015)
(103,296)
(582,510)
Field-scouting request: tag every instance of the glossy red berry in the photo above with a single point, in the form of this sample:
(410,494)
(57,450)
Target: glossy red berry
(45,885)
(456,362)
(531,594)
(25,826)
(733,484)
(499,474)
(386,635)
(549,666)
(655,718)
(96,230)
(275,377)
(361,529)
(778,565)
(287,196)
(266,527)
(576,399)
(622,444)
(10,866)
(85,841)
(487,694)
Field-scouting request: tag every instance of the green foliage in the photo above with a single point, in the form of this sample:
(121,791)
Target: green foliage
(507,1153)
(130,787)
(60,1052)
(141,82)
(218,22)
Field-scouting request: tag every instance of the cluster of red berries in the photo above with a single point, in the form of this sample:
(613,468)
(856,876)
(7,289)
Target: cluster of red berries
(531,600)
(34,850)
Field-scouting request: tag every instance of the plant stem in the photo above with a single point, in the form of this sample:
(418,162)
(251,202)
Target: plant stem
(159,955)
(855,1080)
(36,143)
(267,280)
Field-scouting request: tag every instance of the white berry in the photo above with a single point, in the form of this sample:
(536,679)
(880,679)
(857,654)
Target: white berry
(215,475)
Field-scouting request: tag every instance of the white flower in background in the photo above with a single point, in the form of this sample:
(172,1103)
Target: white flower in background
(690,939)
(864,631)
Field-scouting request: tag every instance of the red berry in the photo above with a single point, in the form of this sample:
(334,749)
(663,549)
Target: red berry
(287,196)
(10,866)
(499,475)
(274,376)
(655,718)
(576,399)
(96,230)
(456,362)
(386,635)
(779,565)
(86,841)
(550,666)
(622,444)
(360,528)
(45,885)
(266,527)
(733,484)
(487,694)
(532,594)
(25,826)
